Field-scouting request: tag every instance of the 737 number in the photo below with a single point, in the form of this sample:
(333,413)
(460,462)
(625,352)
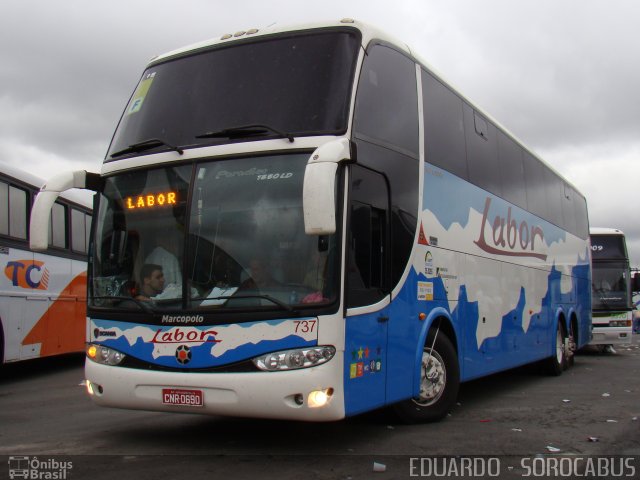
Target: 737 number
(305,326)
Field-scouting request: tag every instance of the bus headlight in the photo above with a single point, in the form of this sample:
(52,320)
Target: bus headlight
(620,323)
(294,359)
(104,355)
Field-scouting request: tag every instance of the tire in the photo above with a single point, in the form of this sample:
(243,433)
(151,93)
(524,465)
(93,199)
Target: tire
(571,356)
(557,362)
(438,394)
(1,345)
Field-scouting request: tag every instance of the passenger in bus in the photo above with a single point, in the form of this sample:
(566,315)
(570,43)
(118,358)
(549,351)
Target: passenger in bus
(151,282)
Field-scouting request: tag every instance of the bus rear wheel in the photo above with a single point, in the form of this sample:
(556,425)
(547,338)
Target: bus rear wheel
(439,383)
(558,361)
(571,354)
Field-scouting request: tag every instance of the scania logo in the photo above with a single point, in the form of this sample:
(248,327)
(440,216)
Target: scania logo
(103,333)
(183,354)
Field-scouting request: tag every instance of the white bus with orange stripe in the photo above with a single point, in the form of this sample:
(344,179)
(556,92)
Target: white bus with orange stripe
(42,294)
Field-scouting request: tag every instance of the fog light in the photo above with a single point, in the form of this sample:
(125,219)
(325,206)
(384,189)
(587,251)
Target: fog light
(93,388)
(319,398)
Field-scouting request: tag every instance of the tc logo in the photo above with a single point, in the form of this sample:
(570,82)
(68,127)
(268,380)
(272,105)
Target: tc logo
(27,274)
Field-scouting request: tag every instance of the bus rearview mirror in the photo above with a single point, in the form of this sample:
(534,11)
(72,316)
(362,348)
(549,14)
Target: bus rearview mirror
(319,189)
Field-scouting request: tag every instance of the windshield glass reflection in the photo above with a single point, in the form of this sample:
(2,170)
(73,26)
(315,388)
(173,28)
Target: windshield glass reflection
(247,241)
(140,238)
(610,287)
(240,246)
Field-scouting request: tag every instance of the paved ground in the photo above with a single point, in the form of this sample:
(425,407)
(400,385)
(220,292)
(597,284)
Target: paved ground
(44,412)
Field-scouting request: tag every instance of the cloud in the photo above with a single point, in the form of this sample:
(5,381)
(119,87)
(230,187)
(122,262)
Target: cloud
(607,174)
(561,76)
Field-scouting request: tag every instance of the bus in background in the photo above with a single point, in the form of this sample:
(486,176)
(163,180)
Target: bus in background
(309,224)
(42,294)
(611,283)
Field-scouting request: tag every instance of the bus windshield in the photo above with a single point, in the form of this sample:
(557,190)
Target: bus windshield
(610,286)
(297,83)
(238,243)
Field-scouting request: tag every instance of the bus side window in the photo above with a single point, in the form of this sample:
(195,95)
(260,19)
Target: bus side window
(367,271)
(58,230)
(4,208)
(17,213)
(78,231)
(386,127)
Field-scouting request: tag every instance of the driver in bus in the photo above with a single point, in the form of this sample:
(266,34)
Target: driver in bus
(260,276)
(151,281)
(162,255)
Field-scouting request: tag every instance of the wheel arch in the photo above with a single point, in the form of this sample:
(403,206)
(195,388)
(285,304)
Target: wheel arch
(560,319)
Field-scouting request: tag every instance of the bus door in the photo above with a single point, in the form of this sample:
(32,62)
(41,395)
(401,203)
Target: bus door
(367,290)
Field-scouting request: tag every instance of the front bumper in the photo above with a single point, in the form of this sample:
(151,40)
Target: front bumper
(260,394)
(611,335)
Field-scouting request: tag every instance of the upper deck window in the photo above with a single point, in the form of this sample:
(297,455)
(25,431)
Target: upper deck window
(296,83)
(608,247)
(387,104)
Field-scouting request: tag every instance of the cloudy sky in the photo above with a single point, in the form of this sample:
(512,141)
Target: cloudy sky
(562,75)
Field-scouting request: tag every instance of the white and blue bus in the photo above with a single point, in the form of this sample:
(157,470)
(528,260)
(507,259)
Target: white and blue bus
(611,298)
(43,295)
(331,227)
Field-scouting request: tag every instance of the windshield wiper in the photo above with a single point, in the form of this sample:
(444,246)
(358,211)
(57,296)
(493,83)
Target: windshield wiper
(282,305)
(246,131)
(147,145)
(143,306)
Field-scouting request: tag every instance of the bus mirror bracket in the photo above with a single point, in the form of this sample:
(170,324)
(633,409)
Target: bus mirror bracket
(48,194)
(319,189)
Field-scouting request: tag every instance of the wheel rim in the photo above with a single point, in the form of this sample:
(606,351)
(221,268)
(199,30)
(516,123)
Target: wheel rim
(559,347)
(433,378)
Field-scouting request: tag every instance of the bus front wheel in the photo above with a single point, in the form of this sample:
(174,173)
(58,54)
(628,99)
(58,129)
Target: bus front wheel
(439,382)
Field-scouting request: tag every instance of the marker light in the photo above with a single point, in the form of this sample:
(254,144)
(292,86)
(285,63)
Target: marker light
(295,359)
(92,351)
(319,398)
(104,355)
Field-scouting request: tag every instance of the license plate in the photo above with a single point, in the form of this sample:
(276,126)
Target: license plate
(182,397)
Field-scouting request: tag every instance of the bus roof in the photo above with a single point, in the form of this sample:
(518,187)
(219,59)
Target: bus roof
(368,33)
(79,197)
(605,231)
